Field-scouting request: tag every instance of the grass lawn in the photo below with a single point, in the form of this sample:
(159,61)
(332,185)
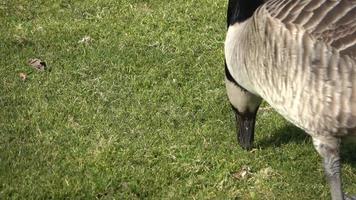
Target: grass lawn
(133,106)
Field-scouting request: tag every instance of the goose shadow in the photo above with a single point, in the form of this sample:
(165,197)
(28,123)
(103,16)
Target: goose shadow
(348,153)
(293,134)
(286,134)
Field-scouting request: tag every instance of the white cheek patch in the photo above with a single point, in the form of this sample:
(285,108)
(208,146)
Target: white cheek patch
(242,100)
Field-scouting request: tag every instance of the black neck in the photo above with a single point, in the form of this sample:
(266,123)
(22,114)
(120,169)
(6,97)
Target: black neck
(240,10)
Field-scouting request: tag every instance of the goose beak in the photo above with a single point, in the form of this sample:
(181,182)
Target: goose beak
(246,129)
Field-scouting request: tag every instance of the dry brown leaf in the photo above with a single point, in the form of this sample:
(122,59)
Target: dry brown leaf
(243,173)
(37,64)
(23,76)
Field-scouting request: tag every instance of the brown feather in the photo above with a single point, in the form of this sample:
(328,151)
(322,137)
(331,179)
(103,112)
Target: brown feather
(330,21)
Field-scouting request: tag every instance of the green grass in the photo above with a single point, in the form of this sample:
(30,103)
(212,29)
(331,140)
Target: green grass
(138,112)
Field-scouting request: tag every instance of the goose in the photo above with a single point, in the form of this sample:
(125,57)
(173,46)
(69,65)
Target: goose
(300,57)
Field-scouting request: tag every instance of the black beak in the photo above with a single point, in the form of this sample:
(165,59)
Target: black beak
(245,124)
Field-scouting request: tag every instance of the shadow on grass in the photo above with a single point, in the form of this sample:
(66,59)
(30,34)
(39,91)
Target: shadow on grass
(292,134)
(348,154)
(285,135)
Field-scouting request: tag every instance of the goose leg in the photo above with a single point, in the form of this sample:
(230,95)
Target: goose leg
(328,148)
(245,106)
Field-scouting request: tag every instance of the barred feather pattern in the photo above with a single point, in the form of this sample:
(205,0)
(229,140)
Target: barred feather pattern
(300,57)
(330,21)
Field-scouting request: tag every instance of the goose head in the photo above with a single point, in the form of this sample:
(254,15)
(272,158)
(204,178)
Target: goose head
(244,103)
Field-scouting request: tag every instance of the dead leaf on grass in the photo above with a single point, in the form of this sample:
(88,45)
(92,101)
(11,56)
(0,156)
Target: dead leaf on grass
(23,76)
(37,64)
(243,173)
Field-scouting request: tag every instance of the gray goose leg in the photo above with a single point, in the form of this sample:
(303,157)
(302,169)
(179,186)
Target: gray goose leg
(328,148)
(245,106)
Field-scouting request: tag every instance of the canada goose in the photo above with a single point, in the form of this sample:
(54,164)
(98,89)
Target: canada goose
(300,57)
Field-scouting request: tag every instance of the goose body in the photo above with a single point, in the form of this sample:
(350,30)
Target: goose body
(299,56)
(302,76)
